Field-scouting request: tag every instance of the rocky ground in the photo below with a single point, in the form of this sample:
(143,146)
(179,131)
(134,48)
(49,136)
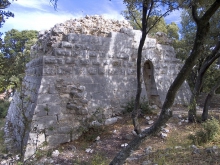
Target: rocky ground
(99,145)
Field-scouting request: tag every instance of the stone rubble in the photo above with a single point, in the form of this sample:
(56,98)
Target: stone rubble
(111,121)
(148,150)
(150,122)
(89,150)
(124,145)
(55,153)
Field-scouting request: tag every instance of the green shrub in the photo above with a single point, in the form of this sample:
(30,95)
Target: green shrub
(144,106)
(4,108)
(90,134)
(99,159)
(129,106)
(210,130)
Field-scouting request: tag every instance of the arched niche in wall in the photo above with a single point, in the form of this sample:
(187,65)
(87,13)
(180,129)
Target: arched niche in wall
(150,85)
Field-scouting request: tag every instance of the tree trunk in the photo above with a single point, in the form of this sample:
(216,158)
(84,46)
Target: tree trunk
(208,100)
(206,64)
(138,92)
(166,113)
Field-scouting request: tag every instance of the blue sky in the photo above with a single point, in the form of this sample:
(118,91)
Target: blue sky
(40,14)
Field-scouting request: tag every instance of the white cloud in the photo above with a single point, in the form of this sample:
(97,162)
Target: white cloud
(40,15)
(174,17)
(34,4)
(36,20)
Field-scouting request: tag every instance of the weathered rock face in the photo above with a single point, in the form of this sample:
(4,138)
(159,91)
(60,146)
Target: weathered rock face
(83,72)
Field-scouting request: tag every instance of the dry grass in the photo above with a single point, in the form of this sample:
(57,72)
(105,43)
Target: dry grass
(174,150)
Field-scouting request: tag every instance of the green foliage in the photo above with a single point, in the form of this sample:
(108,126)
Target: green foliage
(144,106)
(4,108)
(210,78)
(170,29)
(185,45)
(2,146)
(134,21)
(211,128)
(41,153)
(99,159)
(14,54)
(129,106)
(90,134)
(4,14)
(159,27)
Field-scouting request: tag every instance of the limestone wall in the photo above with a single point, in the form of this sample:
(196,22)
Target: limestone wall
(77,80)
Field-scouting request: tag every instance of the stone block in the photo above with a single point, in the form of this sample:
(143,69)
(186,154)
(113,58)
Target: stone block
(102,54)
(99,95)
(80,47)
(93,87)
(116,71)
(84,101)
(71,60)
(79,71)
(40,111)
(53,109)
(64,130)
(93,53)
(129,64)
(49,71)
(84,61)
(66,44)
(85,38)
(52,89)
(131,71)
(45,121)
(101,70)
(71,106)
(62,52)
(92,70)
(111,121)
(57,139)
(48,98)
(44,88)
(76,94)
(95,62)
(116,63)
(50,60)
(95,40)
(73,38)
(122,56)
(64,70)
(76,53)
(84,79)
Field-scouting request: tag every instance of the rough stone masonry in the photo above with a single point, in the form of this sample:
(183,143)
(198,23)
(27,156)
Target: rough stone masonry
(82,73)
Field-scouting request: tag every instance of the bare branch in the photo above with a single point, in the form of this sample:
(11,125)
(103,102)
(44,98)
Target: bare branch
(195,14)
(132,15)
(208,14)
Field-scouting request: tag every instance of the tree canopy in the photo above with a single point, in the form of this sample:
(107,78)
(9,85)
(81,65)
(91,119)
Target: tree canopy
(3,13)
(14,55)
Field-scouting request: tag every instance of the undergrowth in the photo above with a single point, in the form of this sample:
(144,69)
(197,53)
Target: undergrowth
(4,108)
(209,132)
(144,106)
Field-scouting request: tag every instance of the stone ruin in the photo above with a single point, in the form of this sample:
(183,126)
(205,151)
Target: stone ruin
(82,73)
